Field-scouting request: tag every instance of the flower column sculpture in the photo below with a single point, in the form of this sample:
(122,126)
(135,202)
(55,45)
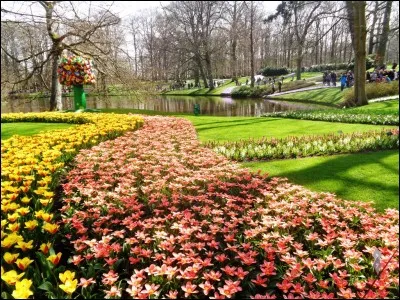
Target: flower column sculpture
(77,71)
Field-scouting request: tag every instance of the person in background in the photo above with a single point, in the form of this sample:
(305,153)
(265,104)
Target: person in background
(343,81)
(333,78)
(279,86)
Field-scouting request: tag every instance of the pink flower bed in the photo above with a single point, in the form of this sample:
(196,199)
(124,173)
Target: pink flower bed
(153,214)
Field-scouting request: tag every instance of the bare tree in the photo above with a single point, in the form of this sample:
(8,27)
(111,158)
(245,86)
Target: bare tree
(358,29)
(381,51)
(73,34)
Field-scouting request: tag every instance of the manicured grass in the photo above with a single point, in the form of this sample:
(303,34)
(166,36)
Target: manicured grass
(9,129)
(331,96)
(384,107)
(205,91)
(370,176)
(237,128)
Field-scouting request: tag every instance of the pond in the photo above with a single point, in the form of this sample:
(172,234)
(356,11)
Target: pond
(213,106)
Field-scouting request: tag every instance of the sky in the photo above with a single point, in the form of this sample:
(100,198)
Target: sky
(121,8)
(125,8)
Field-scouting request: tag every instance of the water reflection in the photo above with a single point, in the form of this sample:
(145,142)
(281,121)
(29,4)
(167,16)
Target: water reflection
(213,106)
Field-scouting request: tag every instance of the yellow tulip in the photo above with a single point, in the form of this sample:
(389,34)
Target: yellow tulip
(31,225)
(23,211)
(51,228)
(25,246)
(23,263)
(13,217)
(11,239)
(67,275)
(22,289)
(14,227)
(69,286)
(10,258)
(25,200)
(55,259)
(11,277)
(45,248)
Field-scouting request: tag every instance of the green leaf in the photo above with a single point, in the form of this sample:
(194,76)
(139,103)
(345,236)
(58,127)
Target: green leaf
(5,295)
(46,286)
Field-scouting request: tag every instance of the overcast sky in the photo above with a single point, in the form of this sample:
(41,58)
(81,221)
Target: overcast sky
(121,8)
(125,8)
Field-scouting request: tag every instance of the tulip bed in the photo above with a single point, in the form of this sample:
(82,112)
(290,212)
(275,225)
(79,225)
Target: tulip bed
(153,214)
(338,116)
(30,171)
(304,146)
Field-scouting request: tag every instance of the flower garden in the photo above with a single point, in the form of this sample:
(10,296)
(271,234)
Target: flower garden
(125,206)
(303,146)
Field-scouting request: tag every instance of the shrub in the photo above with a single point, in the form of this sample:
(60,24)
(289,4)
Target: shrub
(339,66)
(268,71)
(297,84)
(373,90)
(248,92)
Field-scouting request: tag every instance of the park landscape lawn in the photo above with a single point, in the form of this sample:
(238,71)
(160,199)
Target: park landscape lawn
(329,96)
(205,91)
(25,128)
(372,176)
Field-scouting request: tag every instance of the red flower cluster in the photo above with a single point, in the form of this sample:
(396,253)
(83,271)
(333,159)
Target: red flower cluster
(156,215)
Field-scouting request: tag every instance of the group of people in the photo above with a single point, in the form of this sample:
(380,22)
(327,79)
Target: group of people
(346,80)
(328,78)
(383,75)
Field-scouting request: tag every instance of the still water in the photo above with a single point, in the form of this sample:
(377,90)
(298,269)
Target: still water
(212,106)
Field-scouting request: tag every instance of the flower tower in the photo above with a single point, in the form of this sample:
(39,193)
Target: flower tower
(76,71)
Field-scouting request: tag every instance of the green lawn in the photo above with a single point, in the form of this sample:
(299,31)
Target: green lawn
(205,91)
(384,107)
(26,128)
(236,128)
(365,176)
(330,96)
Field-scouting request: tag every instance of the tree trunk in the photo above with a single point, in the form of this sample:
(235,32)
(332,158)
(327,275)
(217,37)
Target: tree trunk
(380,54)
(372,30)
(234,41)
(358,30)
(209,70)
(299,60)
(251,45)
(59,103)
(54,81)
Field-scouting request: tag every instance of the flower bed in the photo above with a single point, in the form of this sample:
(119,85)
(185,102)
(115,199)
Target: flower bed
(303,146)
(153,214)
(339,116)
(30,169)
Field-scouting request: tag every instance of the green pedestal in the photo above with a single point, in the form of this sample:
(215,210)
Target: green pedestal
(79,97)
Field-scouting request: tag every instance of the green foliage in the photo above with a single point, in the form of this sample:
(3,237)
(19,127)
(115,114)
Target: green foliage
(342,116)
(373,90)
(297,84)
(369,62)
(291,147)
(268,71)
(259,91)
(246,91)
